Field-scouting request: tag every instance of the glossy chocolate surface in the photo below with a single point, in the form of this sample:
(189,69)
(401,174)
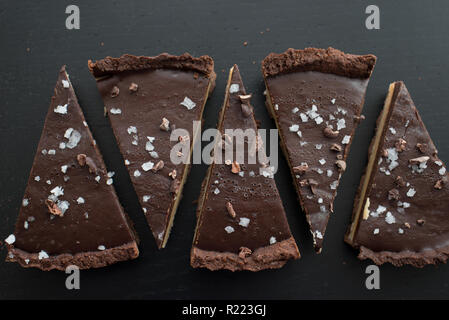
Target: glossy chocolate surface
(91,218)
(410,213)
(136,103)
(304,104)
(253,196)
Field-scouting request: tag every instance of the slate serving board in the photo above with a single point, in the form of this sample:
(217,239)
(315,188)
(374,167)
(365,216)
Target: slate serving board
(411,45)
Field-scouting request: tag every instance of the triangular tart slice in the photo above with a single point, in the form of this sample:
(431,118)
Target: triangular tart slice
(316,97)
(70,213)
(241,220)
(146,99)
(401,212)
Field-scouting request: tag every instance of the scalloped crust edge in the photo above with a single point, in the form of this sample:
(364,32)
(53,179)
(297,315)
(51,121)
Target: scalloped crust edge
(128,62)
(270,257)
(328,60)
(399,259)
(83,260)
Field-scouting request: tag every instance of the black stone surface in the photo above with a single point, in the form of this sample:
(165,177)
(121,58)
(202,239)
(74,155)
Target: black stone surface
(411,46)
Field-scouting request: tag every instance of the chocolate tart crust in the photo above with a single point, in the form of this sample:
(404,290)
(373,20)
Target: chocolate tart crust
(428,254)
(322,60)
(83,260)
(271,257)
(128,62)
(399,259)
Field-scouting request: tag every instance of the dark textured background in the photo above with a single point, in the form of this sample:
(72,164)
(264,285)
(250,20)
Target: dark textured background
(412,45)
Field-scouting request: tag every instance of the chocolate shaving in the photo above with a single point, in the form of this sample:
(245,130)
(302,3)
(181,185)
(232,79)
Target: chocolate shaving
(230,209)
(165,125)
(407,225)
(83,160)
(329,133)
(235,167)
(399,181)
(53,208)
(158,166)
(359,118)
(341,165)
(400,145)
(301,169)
(393,194)
(422,147)
(419,160)
(172,174)
(336,147)
(420,222)
(245,252)
(439,184)
(133,87)
(115,92)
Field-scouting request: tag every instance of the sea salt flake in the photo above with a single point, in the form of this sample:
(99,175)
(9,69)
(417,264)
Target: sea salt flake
(80,200)
(43,255)
(392,130)
(131,130)
(64,168)
(304,117)
(216,191)
(101,248)
(37,178)
(52,152)
(244,222)
(11,239)
(318,235)
(401,231)
(229,229)
(333,101)
(346,139)
(273,240)
(189,104)
(334,185)
(322,161)
(73,136)
(389,218)
(65,84)
(411,192)
(293,128)
(376,231)
(318,146)
(329,173)
(318,120)
(146,198)
(295,110)
(234,88)
(341,124)
(109,181)
(147,166)
(115,111)
(62,145)
(442,171)
(61,109)
(25,202)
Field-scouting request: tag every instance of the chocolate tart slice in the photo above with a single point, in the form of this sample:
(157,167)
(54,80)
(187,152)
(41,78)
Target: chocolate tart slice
(401,212)
(241,221)
(70,214)
(147,98)
(316,97)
